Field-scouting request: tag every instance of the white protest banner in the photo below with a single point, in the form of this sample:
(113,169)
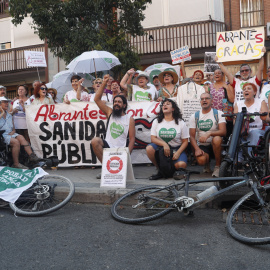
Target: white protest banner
(180,55)
(14,181)
(67,130)
(116,168)
(35,59)
(243,44)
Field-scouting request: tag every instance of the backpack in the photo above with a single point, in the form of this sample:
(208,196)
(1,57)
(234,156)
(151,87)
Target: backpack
(165,164)
(197,116)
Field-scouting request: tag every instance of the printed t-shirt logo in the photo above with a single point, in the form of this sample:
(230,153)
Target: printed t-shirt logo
(267,94)
(142,96)
(116,130)
(167,134)
(205,125)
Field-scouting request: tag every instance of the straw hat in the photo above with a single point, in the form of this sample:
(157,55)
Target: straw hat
(172,73)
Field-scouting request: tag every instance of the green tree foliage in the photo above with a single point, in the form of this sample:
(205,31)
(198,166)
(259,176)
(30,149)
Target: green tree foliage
(74,26)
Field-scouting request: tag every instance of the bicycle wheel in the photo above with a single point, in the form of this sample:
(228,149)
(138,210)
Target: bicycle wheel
(267,153)
(144,204)
(48,194)
(226,170)
(248,222)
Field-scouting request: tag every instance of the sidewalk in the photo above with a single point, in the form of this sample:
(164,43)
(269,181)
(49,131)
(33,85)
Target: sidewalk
(88,190)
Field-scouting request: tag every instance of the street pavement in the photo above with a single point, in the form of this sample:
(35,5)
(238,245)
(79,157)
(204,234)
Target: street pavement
(88,190)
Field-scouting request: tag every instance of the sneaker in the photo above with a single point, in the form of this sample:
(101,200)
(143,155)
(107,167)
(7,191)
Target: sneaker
(178,175)
(33,158)
(206,168)
(216,172)
(20,166)
(156,176)
(98,176)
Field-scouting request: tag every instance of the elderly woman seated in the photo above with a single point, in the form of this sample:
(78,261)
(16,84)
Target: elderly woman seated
(13,139)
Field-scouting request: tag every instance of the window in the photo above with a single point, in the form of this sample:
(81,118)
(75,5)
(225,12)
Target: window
(251,13)
(4,46)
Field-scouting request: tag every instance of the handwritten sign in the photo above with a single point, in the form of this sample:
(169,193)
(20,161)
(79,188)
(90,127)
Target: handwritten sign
(180,55)
(190,106)
(240,45)
(35,59)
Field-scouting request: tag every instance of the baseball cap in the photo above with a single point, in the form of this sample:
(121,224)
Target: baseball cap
(4,99)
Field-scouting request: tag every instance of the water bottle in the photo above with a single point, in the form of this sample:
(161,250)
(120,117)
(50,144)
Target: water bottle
(207,192)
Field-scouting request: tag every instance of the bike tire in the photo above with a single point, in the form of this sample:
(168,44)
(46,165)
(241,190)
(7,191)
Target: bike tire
(267,153)
(150,209)
(225,170)
(248,222)
(48,194)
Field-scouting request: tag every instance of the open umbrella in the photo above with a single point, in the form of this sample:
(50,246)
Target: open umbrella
(93,61)
(61,82)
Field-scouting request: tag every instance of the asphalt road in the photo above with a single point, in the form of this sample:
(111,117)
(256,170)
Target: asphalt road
(84,236)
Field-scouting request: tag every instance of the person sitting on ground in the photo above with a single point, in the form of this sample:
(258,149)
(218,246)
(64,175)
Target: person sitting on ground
(245,73)
(170,132)
(141,91)
(18,111)
(71,96)
(120,127)
(12,138)
(169,79)
(41,95)
(252,105)
(53,93)
(209,127)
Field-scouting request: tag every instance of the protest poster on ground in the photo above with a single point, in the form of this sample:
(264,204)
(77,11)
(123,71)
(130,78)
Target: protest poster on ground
(210,65)
(238,45)
(66,130)
(180,55)
(35,59)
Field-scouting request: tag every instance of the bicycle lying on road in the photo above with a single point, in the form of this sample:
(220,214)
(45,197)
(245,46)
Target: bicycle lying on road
(48,194)
(248,220)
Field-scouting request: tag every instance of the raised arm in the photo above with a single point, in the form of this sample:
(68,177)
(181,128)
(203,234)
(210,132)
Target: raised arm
(105,109)
(127,79)
(225,71)
(131,133)
(80,89)
(259,73)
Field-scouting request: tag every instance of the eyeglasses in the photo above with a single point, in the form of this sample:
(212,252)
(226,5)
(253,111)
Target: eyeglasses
(244,70)
(43,88)
(206,98)
(51,93)
(98,82)
(167,75)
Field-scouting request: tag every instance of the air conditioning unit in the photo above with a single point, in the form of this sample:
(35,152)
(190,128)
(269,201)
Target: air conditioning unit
(2,46)
(268,29)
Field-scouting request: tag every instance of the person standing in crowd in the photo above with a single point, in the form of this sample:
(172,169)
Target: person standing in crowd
(41,95)
(71,96)
(18,111)
(157,85)
(170,132)
(208,126)
(268,76)
(245,72)
(115,87)
(169,79)
(210,78)
(121,126)
(222,96)
(53,93)
(252,105)
(12,138)
(108,89)
(141,91)
(106,97)
(3,91)
(34,84)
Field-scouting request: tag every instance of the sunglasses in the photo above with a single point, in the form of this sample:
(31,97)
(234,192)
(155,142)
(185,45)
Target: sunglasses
(244,70)
(43,88)
(98,82)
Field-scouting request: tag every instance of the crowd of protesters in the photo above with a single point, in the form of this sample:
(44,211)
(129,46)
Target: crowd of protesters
(203,130)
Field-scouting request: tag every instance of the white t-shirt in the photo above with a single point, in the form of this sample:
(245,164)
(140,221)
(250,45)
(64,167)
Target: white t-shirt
(108,97)
(238,86)
(140,94)
(255,107)
(72,96)
(265,93)
(170,132)
(206,122)
(19,117)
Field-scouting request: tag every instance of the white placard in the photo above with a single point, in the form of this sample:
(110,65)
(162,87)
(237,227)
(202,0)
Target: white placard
(116,168)
(245,44)
(35,59)
(190,106)
(180,55)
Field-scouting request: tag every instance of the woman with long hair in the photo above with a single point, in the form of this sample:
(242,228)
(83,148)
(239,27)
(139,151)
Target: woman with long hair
(169,132)
(41,95)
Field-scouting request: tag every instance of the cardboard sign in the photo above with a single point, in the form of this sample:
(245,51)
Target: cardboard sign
(35,59)
(180,55)
(243,44)
(116,168)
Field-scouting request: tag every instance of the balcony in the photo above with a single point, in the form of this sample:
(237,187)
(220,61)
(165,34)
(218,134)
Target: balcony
(196,35)
(14,60)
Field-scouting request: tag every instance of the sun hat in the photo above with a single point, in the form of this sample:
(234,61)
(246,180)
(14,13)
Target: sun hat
(142,74)
(172,73)
(54,90)
(4,99)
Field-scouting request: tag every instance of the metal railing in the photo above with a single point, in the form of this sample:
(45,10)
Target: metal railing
(168,38)
(13,59)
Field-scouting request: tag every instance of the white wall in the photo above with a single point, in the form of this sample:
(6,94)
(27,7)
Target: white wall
(169,12)
(5,35)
